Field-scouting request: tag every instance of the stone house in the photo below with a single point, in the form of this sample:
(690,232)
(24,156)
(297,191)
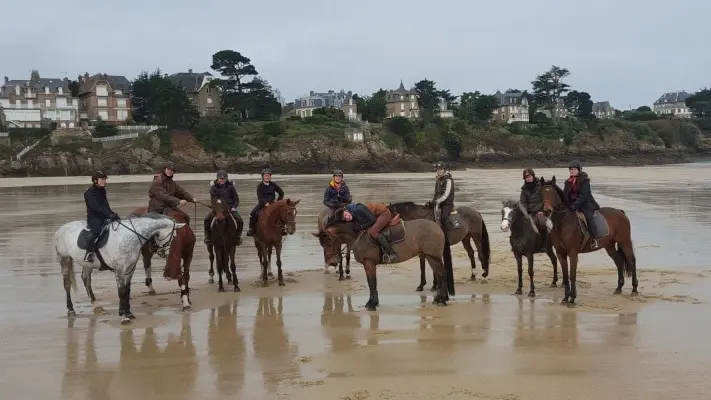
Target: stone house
(105,98)
(673,104)
(513,107)
(197,86)
(37,102)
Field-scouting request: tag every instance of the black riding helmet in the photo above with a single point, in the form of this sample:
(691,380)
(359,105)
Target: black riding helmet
(168,165)
(266,171)
(575,164)
(439,165)
(338,172)
(98,175)
(222,174)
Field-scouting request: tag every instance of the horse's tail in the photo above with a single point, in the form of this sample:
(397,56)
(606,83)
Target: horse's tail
(485,245)
(629,264)
(448,268)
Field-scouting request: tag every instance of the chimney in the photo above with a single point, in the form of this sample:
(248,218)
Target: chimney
(7,79)
(190,71)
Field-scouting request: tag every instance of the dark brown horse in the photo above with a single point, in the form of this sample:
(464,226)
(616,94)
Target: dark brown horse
(569,240)
(408,238)
(322,217)
(469,226)
(224,244)
(268,233)
(181,250)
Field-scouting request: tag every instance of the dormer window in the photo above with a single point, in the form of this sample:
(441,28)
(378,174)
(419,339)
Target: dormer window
(60,90)
(46,90)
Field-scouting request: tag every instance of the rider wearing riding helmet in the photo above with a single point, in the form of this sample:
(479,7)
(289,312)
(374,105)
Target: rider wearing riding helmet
(443,199)
(166,195)
(267,193)
(337,194)
(532,201)
(223,189)
(98,210)
(579,195)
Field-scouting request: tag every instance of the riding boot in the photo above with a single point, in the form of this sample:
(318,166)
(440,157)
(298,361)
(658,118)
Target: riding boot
(208,231)
(251,225)
(390,255)
(593,234)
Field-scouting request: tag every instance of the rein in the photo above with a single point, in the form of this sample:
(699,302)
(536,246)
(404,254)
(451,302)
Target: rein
(143,238)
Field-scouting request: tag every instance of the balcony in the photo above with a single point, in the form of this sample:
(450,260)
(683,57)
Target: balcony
(30,95)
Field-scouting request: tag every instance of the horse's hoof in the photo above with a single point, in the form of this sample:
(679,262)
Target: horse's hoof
(271,274)
(419,289)
(152,292)
(472,278)
(281,283)
(564,301)
(518,291)
(220,289)
(186,308)
(617,291)
(71,313)
(571,304)
(341,278)
(237,289)
(229,279)
(210,281)
(130,316)
(125,321)
(634,293)
(485,274)
(348,276)
(531,294)
(433,288)
(553,284)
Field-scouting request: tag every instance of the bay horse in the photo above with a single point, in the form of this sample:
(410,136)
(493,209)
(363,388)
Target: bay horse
(272,220)
(238,241)
(570,240)
(467,225)
(224,244)
(408,239)
(322,218)
(181,251)
(117,248)
(525,242)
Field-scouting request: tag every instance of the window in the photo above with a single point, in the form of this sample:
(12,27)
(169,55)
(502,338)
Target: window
(121,103)
(60,90)
(118,92)
(101,90)
(402,106)
(18,104)
(209,100)
(102,102)
(61,102)
(121,115)
(46,90)
(17,90)
(30,104)
(104,115)
(48,103)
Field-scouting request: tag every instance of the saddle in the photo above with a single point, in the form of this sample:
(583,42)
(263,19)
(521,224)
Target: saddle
(598,220)
(395,231)
(453,220)
(84,239)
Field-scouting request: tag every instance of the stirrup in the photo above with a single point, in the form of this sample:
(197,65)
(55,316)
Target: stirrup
(89,257)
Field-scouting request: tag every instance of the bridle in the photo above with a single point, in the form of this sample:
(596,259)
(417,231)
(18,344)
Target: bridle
(281,223)
(154,245)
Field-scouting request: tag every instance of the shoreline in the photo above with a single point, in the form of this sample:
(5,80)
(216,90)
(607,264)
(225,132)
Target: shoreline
(299,170)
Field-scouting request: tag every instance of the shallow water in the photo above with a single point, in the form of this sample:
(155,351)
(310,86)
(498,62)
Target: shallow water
(302,341)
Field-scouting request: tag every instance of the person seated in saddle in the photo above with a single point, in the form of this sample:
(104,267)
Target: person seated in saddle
(443,199)
(532,201)
(221,188)
(374,217)
(337,194)
(166,195)
(98,211)
(577,191)
(267,193)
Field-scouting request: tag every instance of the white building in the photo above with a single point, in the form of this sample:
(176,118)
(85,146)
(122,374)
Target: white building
(37,101)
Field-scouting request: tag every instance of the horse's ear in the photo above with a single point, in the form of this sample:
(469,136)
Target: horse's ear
(296,202)
(553,180)
(542,180)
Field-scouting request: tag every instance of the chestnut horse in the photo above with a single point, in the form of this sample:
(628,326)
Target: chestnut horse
(180,250)
(569,240)
(268,233)
(224,244)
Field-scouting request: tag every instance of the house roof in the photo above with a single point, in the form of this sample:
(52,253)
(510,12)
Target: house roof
(117,82)
(36,82)
(508,98)
(191,81)
(672,97)
(601,106)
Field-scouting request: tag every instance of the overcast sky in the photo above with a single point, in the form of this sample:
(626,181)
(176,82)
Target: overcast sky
(625,51)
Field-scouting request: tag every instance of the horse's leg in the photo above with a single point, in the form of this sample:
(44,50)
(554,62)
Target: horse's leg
(269,264)
(630,264)
(264,251)
(278,263)
(467,243)
(423,278)
(435,280)
(220,268)
(184,280)
(573,272)
(370,273)
(532,290)
(519,269)
(123,283)
(563,259)
(348,261)
(211,254)
(619,260)
(438,270)
(86,278)
(146,255)
(233,267)
(554,261)
(67,273)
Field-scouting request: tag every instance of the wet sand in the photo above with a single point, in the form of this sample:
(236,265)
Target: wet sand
(313,339)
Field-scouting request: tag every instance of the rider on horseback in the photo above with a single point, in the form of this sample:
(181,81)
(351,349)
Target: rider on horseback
(166,195)
(532,202)
(337,193)
(374,217)
(98,210)
(221,188)
(267,192)
(577,192)
(443,199)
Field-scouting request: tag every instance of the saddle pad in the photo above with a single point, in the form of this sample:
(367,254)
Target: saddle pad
(395,233)
(85,237)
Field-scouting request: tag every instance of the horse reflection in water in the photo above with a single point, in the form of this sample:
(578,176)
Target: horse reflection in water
(226,351)
(272,347)
(75,382)
(340,322)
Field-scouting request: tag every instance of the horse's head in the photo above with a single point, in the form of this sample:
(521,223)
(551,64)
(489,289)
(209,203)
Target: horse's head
(286,210)
(330,241)
(164,237)
(509,213)
(551,195)
(219,208)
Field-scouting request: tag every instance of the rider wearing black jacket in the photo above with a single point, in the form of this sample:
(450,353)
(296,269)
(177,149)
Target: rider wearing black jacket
(97,210)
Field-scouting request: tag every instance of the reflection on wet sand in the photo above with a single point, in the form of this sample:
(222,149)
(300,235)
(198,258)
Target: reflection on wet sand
(273,350)
(76,383)
(340,322)
(226,350)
